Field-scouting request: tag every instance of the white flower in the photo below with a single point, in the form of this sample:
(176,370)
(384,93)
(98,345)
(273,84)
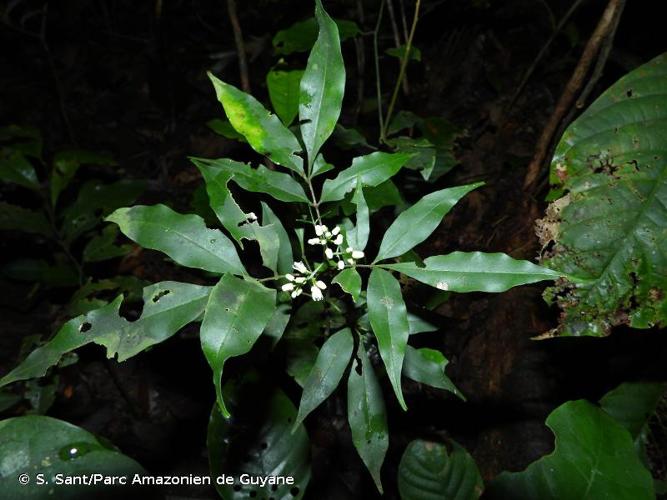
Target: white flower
(350,261)
(287,287)
(335,230)
(327,234)
(357,254)
(251,216)
(314,241)
(299,266)
(296,293)
(321,285)
(300,279)
(340,264)
(316,293)
(323,241)
(329,253)
(349,249)
(442,285)
(289,277)
(338,240)
(320,229)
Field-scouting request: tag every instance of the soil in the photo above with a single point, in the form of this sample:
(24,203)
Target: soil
(113,76)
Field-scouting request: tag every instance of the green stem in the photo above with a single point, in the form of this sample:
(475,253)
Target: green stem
(378,85)
(401,73)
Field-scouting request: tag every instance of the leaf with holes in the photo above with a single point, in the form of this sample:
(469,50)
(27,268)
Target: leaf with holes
(184,238)
(474,272)
(263,131)
(330,365)
(610,228)
(52,447)
(367,415)
(350,281)
(418,222)
(389,320)
(594,458)
(168,307)
(429,471)
(237,312)
(427,366)
(257,441)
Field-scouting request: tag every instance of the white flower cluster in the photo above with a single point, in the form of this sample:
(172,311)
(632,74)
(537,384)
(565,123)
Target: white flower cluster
(334,237)
(301,278)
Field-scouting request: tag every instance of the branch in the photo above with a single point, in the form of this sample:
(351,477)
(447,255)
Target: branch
(240,47)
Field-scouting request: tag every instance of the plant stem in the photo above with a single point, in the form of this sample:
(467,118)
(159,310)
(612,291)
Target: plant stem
(401,73)
(378,85)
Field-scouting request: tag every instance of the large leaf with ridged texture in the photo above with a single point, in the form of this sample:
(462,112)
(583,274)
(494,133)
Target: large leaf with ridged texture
(594,457)
(389,320)
(474,272)
(418,222)
(35,444)
(184,238)
(264,131)
(367,415)
(168,306)
(235,317)
(428,471)
(611,227)
(322,86)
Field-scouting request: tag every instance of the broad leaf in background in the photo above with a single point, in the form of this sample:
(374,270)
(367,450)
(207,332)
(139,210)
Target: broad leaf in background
(322,86)
(168,307)
(367,415)
(184,238)
(594,457)
(263,130)
(49,446)
(610,227)
(103,246)
(17,169)
(372,170)
(67,163)
(237,312)
(284,93)
(389,320)
(428,471)
(225,129)
(357,238)
(16,218)
(301,36)
(420,220)
(330,365)
(427,366)
(284,258)
(474,272)
(257,441)
(399,52)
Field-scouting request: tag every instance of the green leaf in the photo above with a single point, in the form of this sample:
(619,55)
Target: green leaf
(372,169)
(257,441)
(399,52)
(350,281)
(15,218)
(67,163)
(275,328)
(418,222)
(168,306)
(17,169)
(43,445)
(95,201)
(256,180)
(237,312)
(609,229)
(322,86)
(594,457)
(418,325)
(424,154)
(284,93)
(103,246)
(367,416)
(428,471)
(474,272)
(26,140)
(56,274)
(184,238)
(389,321)
(330,365)
(225,129)
(357,238)
(427,366)
(349,138)
(301,36)
(285,257)
(264,132)
(632,403)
